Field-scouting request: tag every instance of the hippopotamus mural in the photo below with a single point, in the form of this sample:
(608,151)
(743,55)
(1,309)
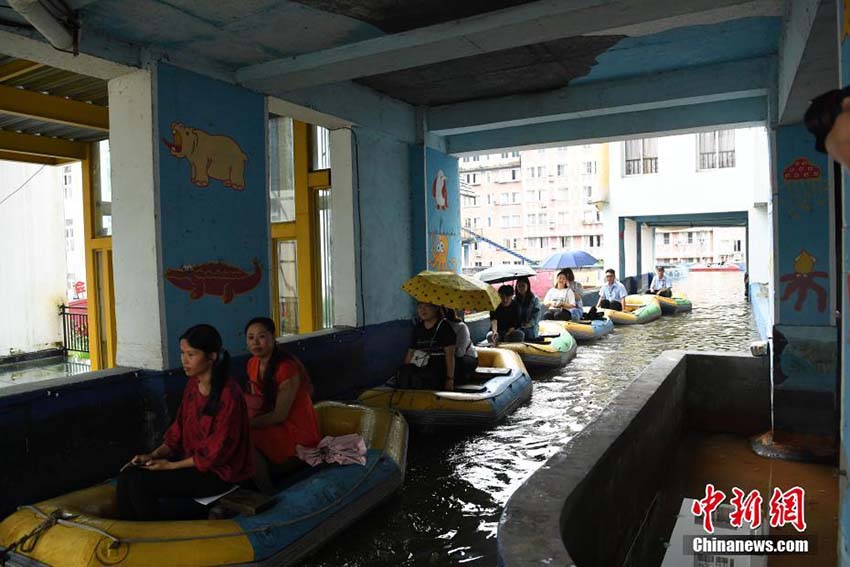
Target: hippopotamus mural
(210,155)
(214,278)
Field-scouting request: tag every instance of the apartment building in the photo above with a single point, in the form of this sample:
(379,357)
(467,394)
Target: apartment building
(521,206)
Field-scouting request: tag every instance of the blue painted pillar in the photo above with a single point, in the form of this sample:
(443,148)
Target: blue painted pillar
(621,231)
(844,282)
(435,195)
(804,336)
(213,206)
(639,256)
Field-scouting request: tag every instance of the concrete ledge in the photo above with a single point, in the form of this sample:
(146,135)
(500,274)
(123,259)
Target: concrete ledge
(728,392)
(616,463)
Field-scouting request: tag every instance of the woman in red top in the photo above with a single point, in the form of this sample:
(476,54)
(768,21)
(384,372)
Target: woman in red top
(282,414)
(207,448)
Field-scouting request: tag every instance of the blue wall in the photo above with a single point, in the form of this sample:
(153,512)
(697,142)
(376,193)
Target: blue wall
(802,217)
(385,210)
(435,200)
(804,343)
(221,223)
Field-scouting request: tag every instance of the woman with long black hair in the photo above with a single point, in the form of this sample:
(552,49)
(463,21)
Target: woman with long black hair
(279,401)
(208,447)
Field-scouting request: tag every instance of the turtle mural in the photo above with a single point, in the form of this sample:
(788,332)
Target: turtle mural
(215,278)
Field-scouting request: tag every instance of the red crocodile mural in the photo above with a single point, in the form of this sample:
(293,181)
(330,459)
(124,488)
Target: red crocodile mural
(214,278)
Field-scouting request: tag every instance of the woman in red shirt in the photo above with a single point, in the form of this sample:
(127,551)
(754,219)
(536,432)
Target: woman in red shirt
(207,449)
(282,414)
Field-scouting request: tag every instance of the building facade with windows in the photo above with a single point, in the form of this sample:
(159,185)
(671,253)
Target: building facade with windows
(527,204)
(680,177)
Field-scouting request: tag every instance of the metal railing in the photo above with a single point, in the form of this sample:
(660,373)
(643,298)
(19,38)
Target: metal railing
(75,330)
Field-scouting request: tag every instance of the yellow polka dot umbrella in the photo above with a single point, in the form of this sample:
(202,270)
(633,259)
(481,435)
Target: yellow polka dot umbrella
(453,290)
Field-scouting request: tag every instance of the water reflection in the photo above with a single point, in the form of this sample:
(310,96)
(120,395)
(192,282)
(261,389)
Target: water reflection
(448,510)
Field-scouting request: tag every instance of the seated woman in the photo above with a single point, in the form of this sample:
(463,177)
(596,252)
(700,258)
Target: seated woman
(529,308)
(282,414)
(466,357)
(430,361)
(505,320)
(207,448)
(560,301)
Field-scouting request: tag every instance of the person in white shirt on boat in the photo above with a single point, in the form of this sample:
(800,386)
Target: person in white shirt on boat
(560,301)
(612,293)
(661,284)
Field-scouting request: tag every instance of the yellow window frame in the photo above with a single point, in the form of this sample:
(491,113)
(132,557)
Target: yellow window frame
(304,231)
(98,261)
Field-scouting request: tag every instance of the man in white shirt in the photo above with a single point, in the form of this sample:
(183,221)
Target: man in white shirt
(612,293)
(660,284)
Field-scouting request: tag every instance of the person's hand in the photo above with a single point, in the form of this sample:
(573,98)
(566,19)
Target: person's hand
(142,459)
(159,465)
(449,385)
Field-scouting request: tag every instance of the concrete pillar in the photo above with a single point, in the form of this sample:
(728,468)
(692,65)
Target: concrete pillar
(435,186)
(190,211)
(804,336)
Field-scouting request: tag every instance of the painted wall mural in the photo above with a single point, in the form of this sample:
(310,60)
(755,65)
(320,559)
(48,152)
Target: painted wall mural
(209,155)
(802,281)
(436,217)
(805,358)
(803,240)
(214,243)
(215,278)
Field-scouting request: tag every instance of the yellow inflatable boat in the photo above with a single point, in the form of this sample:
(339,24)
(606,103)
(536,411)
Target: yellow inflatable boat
(501,384)
(580,330)
(555,349)
(679,303)
(82,528)
(637,310)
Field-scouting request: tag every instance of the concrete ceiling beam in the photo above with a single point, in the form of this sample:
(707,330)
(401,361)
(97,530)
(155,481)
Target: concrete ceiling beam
(613,127)
(536,22)
(808,58)
(710,83)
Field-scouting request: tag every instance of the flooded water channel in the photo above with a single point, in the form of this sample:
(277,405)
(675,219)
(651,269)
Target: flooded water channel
(448,510)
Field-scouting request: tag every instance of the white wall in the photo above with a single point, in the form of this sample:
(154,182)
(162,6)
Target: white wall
(680,187)
(33,252)
(75,245)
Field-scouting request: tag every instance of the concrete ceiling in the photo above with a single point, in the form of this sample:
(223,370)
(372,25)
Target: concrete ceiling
(605,59)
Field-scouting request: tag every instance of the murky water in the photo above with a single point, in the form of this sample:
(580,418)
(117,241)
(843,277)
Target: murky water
(448,510)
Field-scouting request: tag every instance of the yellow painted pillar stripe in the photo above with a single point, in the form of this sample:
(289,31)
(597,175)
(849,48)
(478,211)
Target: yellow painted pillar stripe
(305,231)
(91,274)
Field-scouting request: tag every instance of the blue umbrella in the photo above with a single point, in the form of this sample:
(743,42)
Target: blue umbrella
(568,259)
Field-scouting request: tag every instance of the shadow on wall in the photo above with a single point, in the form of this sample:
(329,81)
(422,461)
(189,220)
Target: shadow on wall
(80,433)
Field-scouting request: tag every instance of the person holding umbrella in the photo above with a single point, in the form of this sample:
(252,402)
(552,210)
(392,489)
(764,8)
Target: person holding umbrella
(430,361)
(560,301)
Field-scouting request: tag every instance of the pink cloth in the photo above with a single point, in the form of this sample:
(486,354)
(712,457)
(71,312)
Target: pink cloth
(344,450)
